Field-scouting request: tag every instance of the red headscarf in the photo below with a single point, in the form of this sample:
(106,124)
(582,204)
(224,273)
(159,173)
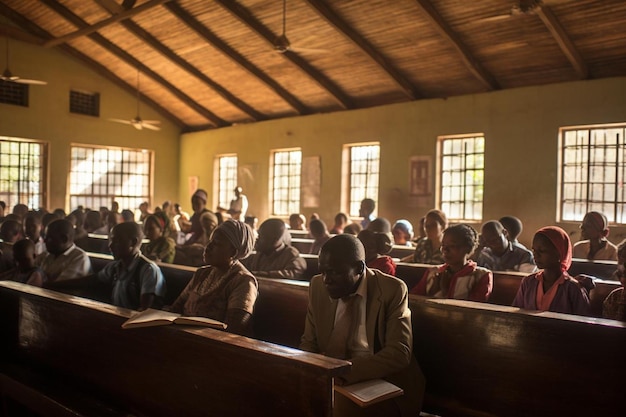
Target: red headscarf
(560,240)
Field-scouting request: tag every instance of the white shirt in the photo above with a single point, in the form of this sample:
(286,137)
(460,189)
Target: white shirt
(359,345)
(73,263)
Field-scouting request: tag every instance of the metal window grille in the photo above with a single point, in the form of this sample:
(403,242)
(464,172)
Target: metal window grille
(462,177)
(227,179)
(85,103)
(13,93)
(364,173)
(23,172)
(100,175)
(592,172)
(286,182)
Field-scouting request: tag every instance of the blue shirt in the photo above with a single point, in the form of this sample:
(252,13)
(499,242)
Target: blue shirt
(141,277)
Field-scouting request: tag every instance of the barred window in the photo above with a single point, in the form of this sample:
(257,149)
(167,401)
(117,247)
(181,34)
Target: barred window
(99,175)
(85,103)
(462,172)
(364,172)
(13,93)
(227,179)
(286,169)
(592,172)
(23,172)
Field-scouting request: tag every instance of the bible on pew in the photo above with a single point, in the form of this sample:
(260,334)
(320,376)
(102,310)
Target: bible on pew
(370,392)
(152,317)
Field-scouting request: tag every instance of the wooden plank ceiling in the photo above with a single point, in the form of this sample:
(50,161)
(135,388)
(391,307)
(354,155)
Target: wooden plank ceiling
(208,64)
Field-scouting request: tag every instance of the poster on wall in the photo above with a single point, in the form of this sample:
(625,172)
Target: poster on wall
(311,181)
(420,181)
(193,184)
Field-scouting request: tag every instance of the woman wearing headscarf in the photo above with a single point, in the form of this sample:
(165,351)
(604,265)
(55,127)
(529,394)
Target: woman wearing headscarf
(160,248)
(595,245)
(552,288)
(223,290)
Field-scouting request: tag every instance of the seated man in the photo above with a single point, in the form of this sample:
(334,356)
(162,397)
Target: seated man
(10,232)
(275,257)
(500,254)
(363,315)
(137,282)
(366,211)
(63,260)
(514,228)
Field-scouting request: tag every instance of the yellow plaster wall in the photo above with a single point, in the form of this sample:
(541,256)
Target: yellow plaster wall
(48,119)
(521,135)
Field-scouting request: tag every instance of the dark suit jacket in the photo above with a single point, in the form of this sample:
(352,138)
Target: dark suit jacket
(389,334)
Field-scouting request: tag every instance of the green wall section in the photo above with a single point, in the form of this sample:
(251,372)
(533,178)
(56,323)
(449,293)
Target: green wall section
(48,119)
(521,148)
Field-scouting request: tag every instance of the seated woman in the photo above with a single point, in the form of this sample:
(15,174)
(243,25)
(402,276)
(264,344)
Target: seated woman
(459,277)
(376,246)
(427,249)
(402,232)
(223,290)
(595,246)
(160,248)
(552,289)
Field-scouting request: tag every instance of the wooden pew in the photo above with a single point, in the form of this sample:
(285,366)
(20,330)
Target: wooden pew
(485,360)
(156,371)
(400,252)
(599,269)
(302,244)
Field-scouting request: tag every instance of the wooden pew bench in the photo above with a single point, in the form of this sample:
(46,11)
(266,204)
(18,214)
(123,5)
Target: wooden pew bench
(156,371)
(302,244)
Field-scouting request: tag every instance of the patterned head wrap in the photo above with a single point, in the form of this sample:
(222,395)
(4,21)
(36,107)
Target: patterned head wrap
(240,235)
(560,240)
(161,221)
(599,222)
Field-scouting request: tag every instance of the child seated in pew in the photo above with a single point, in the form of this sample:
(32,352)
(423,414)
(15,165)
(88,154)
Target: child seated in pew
(10,232)
(552,288)
(428,249)
(594,230)
(459,277)
(499,254)
(376,246)
(136,282)
(25,270)
(160,248)
(402,232)
(223,290)
(320,235)
(341,221)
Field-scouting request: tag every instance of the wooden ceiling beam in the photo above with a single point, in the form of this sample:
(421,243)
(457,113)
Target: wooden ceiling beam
(563,40)
(343,28)
(38,33)
(132,61)
(262,31)
(88,29)
(231,53)
(18,34)
(447,33)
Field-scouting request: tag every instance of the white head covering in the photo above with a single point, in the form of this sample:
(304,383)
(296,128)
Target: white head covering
(240,235)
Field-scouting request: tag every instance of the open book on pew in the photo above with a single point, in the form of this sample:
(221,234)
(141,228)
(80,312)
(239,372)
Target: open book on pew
(370,392)
(152,317)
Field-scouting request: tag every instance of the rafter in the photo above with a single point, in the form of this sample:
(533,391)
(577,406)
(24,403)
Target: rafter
(38,33)
(446,32)
(235,56)
(342,27)
(18,34)
(146,37)
(261,30)
(132,61)
(87,29)
(562,39)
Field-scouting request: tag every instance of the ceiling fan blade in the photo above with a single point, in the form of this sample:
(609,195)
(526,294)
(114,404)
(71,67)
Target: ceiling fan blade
(152,122)
(309,50)
(137,125)
(126,122)
(149,126)
(27,81)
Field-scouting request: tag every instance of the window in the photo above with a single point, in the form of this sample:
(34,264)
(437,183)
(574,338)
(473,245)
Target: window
(462,172)
(286,168)
(85,103)
(99,175)
(364,169)
(592,171)
(227,178)
(23,172)
(13,93)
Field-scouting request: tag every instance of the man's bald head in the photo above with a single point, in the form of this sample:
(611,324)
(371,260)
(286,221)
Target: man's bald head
(342,264)
(346,247)
(272,234)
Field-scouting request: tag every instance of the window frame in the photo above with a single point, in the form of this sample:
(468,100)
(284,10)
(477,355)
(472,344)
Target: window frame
(614,215)
(43,174)
(441,173)
(120,197)
(291,208)
(228,190)
(347,200)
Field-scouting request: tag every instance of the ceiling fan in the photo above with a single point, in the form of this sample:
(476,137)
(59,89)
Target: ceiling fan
(137,122)
(282,44)
(8,76)
(521,8)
